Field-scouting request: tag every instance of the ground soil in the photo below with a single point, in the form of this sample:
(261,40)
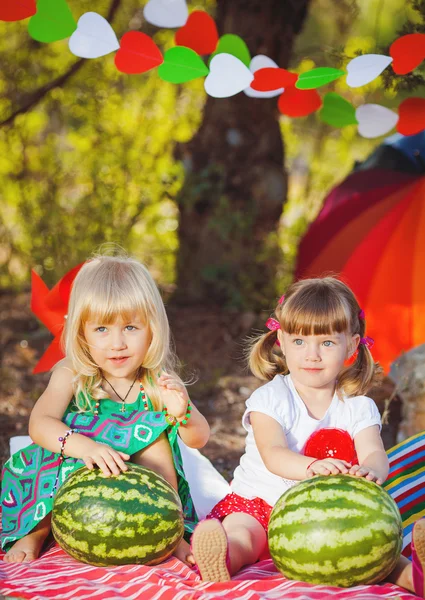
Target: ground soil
(210,343)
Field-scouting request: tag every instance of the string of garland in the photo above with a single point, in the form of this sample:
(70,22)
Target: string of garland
(226,63)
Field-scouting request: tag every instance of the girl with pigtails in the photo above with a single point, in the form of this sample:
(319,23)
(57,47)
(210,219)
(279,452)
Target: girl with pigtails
(317,362)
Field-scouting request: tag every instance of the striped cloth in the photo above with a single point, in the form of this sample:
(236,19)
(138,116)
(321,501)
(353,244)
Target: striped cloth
(406,483)
(56,576)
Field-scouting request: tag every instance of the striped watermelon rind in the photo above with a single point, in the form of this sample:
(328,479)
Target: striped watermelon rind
(336,530)
(132,518)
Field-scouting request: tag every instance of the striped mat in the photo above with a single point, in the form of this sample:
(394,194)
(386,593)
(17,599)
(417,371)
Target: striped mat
(406,483)
(56,576)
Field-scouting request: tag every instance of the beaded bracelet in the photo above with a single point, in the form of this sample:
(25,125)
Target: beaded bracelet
(174,421)
(62,440)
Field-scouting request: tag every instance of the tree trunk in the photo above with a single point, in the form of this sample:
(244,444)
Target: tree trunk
(235,186)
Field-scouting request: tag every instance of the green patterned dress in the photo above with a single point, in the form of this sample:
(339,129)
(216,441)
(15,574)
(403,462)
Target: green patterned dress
(29,475)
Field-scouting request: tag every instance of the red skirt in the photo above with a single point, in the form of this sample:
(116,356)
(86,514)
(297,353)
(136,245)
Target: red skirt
(233,503)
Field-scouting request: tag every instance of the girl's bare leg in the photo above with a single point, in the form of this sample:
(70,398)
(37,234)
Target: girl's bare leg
(29,547)
(240,534)
(402,574)
(159,458)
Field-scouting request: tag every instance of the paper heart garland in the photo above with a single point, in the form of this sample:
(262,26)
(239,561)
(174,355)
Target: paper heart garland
(408,52)
(299,103)
(315,78)
(17,10)
(228,76)
(200,33)
(364,69)
(411,114)
(52,22)
(375,120)
(93,37)
(235,45)
(262,62)
(138,53)
(270,79)
(182,64)
(166,13)
(337,111)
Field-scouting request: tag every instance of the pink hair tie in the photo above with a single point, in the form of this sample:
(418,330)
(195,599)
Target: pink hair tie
(272,324)
(361,314)
(281,299)
(367,341)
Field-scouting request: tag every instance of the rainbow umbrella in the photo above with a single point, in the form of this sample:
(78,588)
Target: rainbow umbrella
(371,232)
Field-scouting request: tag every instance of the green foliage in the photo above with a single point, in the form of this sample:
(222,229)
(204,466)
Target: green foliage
(93,161)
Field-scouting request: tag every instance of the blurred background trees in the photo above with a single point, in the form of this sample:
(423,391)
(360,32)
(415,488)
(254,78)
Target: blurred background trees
(195,187)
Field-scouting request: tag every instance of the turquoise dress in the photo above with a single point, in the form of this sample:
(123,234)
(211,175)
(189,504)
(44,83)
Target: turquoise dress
(28,479)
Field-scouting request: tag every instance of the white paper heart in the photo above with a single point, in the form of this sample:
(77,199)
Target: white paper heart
(93,37)
(228,76)
(166,13)
(375,120)
(261,61)
(364,69)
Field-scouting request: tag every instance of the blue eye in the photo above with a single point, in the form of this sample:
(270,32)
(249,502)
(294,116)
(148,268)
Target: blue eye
(298,342)
(328,343)
(131,328)
(101,329)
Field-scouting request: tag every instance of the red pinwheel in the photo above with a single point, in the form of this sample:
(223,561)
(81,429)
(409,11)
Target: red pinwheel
(51,306)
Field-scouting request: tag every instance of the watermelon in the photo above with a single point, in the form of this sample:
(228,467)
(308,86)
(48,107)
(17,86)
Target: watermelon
(336,530)
(134,517)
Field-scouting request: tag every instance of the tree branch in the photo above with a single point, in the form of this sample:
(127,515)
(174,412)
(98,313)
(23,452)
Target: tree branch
(39,94)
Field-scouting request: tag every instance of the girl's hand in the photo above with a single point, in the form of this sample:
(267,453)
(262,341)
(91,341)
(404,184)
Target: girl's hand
(327,466)
(365,472)
(174,395)
(109,461)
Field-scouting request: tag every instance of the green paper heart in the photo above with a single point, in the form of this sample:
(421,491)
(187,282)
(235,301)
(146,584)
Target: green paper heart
(337,111)
(318,77)
(53,21)
(182,64)
(233,44)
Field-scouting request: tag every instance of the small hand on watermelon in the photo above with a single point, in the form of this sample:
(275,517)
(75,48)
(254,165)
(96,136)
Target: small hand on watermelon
(109,461)
(328,466)
(367,473)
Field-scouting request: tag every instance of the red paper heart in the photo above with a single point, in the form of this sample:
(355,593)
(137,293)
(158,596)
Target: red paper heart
(17,10)
(299,103)
(271,78)
(138,53)
(199,33)
(411,114)
(407,52)
(331,443)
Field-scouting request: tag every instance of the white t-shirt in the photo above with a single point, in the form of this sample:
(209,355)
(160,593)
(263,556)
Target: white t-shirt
(280,400)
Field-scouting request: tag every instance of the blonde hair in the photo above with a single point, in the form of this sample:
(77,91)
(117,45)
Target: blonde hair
(106,288)
(319,306)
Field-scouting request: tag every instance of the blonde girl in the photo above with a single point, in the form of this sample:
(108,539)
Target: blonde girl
(317,361)
(114,398)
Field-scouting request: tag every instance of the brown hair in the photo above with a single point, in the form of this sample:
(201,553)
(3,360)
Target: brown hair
(319,306)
